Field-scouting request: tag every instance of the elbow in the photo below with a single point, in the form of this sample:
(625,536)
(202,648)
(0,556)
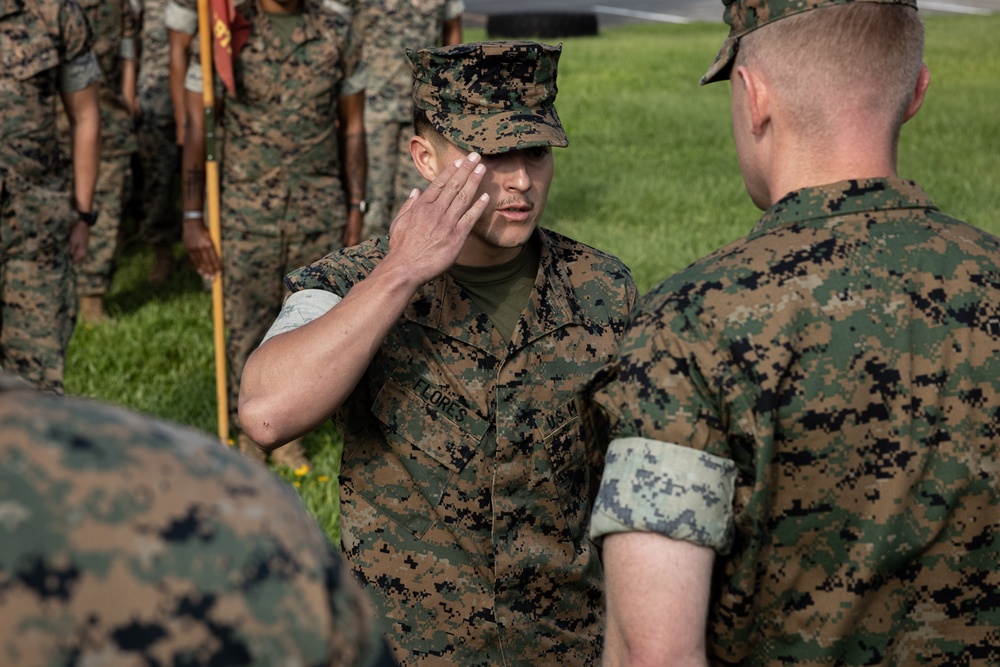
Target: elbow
(256,424)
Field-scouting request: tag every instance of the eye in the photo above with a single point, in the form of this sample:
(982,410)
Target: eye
(538,152)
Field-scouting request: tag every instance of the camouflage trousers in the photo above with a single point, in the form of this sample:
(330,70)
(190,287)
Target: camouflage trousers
(93,276)
(160,160)
(391,173)
(37,315)
(254,268)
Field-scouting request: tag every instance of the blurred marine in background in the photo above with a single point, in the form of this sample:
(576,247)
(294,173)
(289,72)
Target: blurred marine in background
(388,28)
(44,220)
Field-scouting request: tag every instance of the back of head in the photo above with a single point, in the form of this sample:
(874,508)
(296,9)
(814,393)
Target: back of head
(488,97)
(828,60)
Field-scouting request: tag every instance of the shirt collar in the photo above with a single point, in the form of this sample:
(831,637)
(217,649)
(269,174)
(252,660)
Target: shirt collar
(844,198)
(553,304)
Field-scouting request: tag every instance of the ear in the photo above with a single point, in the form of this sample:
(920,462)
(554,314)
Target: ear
(424,155)
(919,91)
(758,98)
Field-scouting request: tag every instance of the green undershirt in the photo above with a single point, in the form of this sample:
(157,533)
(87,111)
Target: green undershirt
(283,25)
(502,290)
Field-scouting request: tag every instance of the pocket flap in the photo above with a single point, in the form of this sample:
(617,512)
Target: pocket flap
(437,423)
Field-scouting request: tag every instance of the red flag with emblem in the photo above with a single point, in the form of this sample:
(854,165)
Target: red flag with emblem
(230,31)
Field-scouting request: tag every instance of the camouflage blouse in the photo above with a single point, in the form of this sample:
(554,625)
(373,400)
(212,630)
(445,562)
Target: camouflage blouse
(126,540)
(465,485)
(820,403)
(388,28)
(45,49)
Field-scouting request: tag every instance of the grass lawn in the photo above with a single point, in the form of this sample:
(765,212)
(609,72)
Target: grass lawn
(650,175)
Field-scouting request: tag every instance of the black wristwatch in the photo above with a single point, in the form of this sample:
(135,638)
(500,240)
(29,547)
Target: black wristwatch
(361,206)
(90,219)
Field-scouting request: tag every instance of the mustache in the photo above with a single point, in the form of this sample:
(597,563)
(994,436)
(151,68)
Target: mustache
(516,202)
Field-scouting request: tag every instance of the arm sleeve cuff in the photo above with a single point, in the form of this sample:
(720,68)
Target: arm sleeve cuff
(301,308)
(181,19)
(79,73)
(453,9)
(356,82)
(676,491)
(127,49)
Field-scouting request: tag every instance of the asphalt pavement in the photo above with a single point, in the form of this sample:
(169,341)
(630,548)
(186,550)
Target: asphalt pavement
(615,12)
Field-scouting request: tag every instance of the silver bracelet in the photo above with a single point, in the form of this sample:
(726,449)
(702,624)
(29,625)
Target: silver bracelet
(193,215)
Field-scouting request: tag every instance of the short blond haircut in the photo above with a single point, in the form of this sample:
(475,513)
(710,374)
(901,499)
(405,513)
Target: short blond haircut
(862,58)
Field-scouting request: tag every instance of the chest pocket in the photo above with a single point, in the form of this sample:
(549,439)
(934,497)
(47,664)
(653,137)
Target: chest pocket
(432,435)
(439,424)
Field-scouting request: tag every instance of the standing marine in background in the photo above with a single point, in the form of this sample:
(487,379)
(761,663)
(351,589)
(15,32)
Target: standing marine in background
(293,159)
(159,153)
(388,28)
(115,28)
(44,220)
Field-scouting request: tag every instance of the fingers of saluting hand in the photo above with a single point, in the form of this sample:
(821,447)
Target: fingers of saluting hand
(449,204)
(453,192)
(431,229)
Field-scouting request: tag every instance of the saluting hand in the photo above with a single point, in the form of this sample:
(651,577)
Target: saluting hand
(430,230)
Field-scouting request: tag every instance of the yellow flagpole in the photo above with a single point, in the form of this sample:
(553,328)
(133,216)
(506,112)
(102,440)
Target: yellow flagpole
(214,223)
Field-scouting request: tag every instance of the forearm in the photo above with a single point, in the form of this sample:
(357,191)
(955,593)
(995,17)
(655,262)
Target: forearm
(355,166)
(85,121)
(193,155)
(353,148)
(354,161)
(451,31)
(179,44)
(130,71)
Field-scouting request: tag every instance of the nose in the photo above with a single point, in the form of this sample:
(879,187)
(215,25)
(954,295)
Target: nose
(514,170)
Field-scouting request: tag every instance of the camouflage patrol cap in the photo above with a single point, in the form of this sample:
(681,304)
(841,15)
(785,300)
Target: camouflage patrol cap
(745,16)
(490,97)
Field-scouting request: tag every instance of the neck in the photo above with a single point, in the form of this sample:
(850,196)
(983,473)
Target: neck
(482,254)
(276,7)
(850,153)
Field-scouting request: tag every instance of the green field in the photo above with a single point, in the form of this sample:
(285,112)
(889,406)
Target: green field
(650,174)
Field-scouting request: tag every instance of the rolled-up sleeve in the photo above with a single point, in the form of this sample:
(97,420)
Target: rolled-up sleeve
(660,411)
(654,486)
(181,19)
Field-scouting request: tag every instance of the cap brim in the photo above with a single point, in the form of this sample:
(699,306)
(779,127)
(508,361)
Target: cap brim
(719,71)
(500,132)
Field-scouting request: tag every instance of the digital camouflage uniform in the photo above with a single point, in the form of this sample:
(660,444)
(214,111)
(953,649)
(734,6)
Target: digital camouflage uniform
(114,26)
(464,485)
(820,404)
(282,196)
(128,540)
(157,135)
(45,49)
(388,28)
